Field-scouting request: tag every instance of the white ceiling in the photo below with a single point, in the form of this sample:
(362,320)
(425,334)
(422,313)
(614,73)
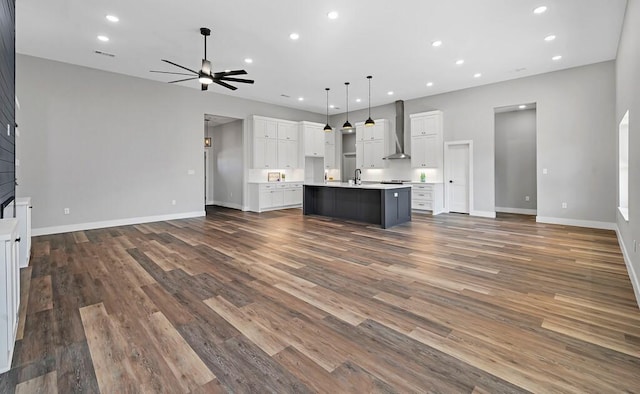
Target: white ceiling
(390,40)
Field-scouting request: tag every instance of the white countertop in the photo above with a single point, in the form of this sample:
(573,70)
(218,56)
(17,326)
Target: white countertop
(275,183)
(375,186)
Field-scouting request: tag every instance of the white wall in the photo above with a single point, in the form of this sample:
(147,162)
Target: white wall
(575,111)
(228,164)
(515,160)
(627,98)
(112,148)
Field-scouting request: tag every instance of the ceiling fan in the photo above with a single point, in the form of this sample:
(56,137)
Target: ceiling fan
(205,76)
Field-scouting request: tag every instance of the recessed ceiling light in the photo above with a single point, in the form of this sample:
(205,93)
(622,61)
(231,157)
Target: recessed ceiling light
(522,106)
(358,100)
(390,93)
(550,37)
(112,18)
(540,10)
(333,15)
(436,43)
(300,98)
(429,84)
(294,36)
(103,38)
(332,106)
(556,57)
(459,62)
(477,75)
(248,60)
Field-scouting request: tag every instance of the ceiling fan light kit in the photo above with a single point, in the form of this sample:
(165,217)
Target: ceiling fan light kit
(204,75)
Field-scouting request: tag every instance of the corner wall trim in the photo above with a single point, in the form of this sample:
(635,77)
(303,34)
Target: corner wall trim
(577,222)
(114,223)
(633,276)
(519,211)
(483,214)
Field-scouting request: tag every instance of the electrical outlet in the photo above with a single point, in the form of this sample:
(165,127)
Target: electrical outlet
(526,198)
(191,172)
(8,130)
(173,202)
(67,211)
(544,171)
(230,194)
(564,205)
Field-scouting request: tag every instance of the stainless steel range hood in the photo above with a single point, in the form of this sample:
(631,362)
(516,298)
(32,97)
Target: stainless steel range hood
(399,134)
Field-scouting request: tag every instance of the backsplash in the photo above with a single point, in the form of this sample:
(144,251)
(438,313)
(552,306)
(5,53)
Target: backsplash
(261,175)
(401,169)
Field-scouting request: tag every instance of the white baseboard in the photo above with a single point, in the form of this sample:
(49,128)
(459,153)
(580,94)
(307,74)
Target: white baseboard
(210,202)
(114,223)
(228,204)
(577,222)
(519,211)
(633,276)
(483,214)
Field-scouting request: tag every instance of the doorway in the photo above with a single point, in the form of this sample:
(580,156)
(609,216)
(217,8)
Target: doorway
(458,187)
(515,159)
(223,161)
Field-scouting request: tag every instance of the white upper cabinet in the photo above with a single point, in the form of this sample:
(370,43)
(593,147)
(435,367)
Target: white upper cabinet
(287,131)
(275,143)
(373,144)
(427,140)
(375,132)
(265,153)
(330,149)
(426,123)
(287,154)
(314,139)
(265,128)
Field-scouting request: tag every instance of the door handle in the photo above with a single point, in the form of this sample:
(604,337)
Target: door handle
(450,181)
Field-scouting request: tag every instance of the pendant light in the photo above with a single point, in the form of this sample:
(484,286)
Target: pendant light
(347,126)
(327,128)
(369,122)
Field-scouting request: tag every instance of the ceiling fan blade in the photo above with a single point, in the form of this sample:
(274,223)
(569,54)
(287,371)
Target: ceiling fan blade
(232,72)
(226,85)
(236,80)
(167,72)
(182,80)
(206,66)
(204,86)
(177,65)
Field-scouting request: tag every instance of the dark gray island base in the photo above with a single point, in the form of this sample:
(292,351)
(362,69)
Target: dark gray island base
(385,205)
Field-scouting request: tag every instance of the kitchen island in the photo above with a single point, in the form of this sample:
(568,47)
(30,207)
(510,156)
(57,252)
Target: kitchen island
(385,205)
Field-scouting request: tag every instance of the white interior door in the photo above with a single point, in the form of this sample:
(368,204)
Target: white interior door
(458,178)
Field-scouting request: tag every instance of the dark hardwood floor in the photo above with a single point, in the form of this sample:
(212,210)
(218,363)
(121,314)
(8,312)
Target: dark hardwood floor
(278,302)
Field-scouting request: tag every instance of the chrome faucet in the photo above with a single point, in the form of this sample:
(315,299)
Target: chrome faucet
(358,177)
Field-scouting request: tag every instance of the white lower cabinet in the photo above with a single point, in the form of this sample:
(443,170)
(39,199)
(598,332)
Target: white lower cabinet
(9,290)
(270,196)
(23,214)
(293,196)
(427,197)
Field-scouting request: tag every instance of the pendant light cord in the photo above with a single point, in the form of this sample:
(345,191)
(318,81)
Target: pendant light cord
(347,84)
(327,128)
(369,78)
